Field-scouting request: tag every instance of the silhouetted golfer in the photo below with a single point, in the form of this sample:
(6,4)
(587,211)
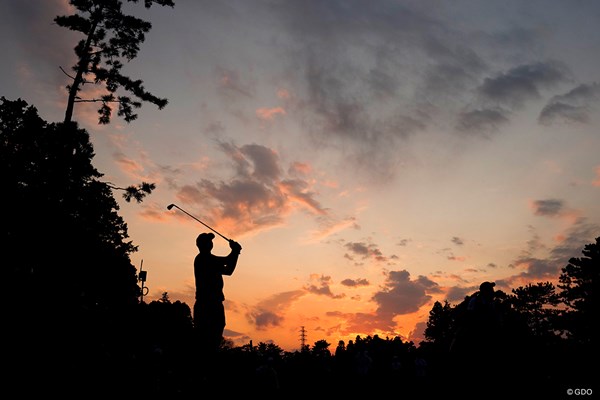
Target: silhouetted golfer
(209,313)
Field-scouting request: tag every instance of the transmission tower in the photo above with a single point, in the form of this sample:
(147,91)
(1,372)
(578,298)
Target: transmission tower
(302,337)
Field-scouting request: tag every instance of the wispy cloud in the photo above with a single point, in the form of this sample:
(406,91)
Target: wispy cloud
(574,106)
(522,83)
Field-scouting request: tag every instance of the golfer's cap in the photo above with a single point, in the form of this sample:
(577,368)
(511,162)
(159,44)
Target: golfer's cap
(205,237)
(487,285)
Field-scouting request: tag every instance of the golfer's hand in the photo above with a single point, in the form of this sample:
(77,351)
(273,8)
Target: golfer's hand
(235,246)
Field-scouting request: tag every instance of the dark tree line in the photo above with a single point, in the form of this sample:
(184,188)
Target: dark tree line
(73,300)
(71,286)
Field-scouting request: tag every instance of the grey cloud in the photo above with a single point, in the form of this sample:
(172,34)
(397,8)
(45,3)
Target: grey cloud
(347,65)
(576,237)
(403,242)
(258,195)
(37,45)
(580,234)
(549,207)
(522,83)
(298,189)
(562,111)
(231,85)
(455,72)
(216,128)
(323,288)
(355,282)
(254,161)
(238,196)
(447,79)
(401,295)
(428,284)
(365,250)
(541,269)
(482,121)
(457,241)
(265,319)
(382,83)
(266,162)
(573,106)
(418,334)
(269,312)
(456,294)
(358,248)
(351,61)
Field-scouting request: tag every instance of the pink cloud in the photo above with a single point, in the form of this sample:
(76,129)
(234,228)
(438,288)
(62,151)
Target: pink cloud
(268,114)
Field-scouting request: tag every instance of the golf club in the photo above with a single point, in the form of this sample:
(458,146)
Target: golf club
(170,206)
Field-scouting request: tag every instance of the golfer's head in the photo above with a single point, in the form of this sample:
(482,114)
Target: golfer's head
(204,241)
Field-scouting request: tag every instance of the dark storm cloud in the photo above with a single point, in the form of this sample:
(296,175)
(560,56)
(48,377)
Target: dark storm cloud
(549,207)
(522,83)
(401,295)
(573,106)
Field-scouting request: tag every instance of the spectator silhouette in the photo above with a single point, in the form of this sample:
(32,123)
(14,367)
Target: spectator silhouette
(267,378)
(363,364)
(209,313)
(477,345)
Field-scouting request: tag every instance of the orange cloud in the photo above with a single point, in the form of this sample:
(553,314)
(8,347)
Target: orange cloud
(268,114)
(300,168)
(129,166)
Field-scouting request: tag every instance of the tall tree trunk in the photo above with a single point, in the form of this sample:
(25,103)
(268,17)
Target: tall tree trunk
(82,66)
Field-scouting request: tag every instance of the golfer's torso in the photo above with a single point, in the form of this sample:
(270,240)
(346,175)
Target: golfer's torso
(209,279)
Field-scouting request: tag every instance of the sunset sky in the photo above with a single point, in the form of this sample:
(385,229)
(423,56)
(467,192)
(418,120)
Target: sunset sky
(371,157)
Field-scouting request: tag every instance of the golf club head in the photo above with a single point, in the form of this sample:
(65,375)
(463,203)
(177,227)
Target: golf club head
(170,206)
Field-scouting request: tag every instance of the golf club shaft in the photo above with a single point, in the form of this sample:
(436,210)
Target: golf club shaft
(190,215)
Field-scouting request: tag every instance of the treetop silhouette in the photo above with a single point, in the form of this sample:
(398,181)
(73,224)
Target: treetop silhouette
(111,37)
